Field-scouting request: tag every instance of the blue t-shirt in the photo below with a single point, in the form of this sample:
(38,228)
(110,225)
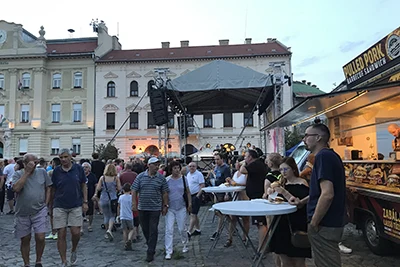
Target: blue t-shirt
(67,185)
(221,173)
(328,166)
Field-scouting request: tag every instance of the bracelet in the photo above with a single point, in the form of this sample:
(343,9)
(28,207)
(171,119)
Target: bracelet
(85,202)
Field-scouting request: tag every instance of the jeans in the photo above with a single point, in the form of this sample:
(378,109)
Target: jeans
(170,217)
(149,223)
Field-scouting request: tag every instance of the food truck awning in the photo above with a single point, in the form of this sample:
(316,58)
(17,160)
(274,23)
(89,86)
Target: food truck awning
(337,103)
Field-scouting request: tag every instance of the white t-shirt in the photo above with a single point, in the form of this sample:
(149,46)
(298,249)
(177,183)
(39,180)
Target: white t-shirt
(9,171)
(125,207)
(239,180)
(194,181)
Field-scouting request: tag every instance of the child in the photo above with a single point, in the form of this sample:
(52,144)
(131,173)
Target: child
(125,215)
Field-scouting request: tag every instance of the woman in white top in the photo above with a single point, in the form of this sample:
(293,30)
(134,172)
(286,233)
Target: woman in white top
(238,179)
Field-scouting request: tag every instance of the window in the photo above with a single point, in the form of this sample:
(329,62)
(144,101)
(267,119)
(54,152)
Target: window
(171,120)
(150,87)
(55,146)
(76,145)
(2,81)
(228,120)
(110,89)
(150,121)
(56,80)
(23,146)
(77,115)
(78,79)
(26,80)
(110,120)
(207,121)
(2,114)
(55,112)
(134,89)
(25,113)
(134,120)
(248,117)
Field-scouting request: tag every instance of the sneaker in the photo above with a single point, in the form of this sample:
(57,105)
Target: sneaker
(106,236)
(11,212)
(50,236)
(150,257)
(196,232)
(73,258)
(185,249)
(90,229)
(63,265)
(168,256)
(38,264)
(128,245)
(55,236)
(110,235)
(214,236)
(344,249)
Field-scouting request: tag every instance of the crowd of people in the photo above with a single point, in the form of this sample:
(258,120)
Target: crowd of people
(137,193)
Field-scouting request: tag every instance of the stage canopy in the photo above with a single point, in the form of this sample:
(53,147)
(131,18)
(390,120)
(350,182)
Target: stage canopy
(220,87)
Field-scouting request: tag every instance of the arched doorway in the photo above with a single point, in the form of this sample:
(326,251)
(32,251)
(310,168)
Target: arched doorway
(152,150)
(1,149)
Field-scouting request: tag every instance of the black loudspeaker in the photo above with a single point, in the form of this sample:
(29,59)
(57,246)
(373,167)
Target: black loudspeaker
(159,106)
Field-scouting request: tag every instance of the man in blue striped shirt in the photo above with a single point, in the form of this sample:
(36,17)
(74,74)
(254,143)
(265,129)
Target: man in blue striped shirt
(153,200)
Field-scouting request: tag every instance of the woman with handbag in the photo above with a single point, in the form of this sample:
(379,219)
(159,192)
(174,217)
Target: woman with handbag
(180,203)
(107,188)
(290,241)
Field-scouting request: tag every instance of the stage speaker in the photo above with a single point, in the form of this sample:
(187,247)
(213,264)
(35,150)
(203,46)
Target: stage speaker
(159,106)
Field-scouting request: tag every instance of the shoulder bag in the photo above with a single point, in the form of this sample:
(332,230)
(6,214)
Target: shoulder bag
(113,202)
(299,239)
(185,197)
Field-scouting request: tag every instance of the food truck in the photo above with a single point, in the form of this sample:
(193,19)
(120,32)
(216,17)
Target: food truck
(364,119)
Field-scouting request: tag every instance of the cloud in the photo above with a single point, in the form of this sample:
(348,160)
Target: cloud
(309,61)
(348,46)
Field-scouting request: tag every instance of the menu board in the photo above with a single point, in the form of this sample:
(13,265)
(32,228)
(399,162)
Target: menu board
(379,176)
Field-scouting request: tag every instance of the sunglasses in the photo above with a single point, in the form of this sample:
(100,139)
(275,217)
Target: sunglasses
(307,135)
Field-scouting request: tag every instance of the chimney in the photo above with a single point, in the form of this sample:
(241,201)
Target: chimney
(314,86)
(224,42)
(184,43)
(164,44)
(309,83)
(247,41)
(304,81)
(271,40)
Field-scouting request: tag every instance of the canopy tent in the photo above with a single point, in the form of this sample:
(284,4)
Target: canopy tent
(219,87)
(290,150)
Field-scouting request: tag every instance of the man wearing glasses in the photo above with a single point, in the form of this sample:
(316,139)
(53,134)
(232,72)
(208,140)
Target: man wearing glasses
(195,183)
(326,203)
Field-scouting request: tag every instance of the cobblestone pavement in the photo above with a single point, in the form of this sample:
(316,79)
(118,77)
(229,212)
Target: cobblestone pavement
(95,251)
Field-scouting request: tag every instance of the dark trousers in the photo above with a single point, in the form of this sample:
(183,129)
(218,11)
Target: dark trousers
(2,198)
(149,223)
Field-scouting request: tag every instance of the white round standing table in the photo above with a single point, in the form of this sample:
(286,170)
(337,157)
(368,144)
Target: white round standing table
(223,189)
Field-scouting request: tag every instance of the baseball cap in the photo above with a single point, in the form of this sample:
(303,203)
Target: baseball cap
(153,160)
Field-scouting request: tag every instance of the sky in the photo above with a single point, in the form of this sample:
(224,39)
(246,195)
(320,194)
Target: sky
(323,35)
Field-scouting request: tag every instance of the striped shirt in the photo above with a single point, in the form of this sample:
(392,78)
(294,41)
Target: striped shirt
(150,189)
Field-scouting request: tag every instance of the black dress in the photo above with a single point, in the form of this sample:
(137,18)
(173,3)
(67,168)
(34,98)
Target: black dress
(280,242)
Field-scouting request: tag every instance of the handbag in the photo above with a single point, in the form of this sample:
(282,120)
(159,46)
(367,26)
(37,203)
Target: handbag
(113,202)
(185,197)
(299,239)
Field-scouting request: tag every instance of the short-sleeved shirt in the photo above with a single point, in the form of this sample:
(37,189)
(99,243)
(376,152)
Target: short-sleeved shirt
(256,173)
(127,177)
(125,207)
(274,176)
(221,173)
(68,187)
(98,168)
(32,198)
(9,172)
(150,189)
(328,166)
(194,180)
(91,182)
(176,190)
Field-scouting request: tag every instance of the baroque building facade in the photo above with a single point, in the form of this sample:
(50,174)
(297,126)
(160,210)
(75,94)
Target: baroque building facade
(47,90)
(124,76)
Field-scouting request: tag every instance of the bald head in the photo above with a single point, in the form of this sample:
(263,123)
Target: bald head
(394,130)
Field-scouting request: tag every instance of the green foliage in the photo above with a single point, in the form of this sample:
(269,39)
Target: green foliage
(107,152)
(292,138)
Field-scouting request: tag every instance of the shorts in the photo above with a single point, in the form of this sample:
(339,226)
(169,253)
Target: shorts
(196,203)
(10,193)
(67,217)
(90,210)
(259,220)
(136,221)
(127,224)
(39,222)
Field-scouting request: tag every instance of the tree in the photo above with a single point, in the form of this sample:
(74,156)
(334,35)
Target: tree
(107,152)
(292,137)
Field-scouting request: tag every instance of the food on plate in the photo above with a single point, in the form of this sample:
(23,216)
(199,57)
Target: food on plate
(275,184)
(227,184)
(278,200)
(375,176)
(392,180)
(360,173)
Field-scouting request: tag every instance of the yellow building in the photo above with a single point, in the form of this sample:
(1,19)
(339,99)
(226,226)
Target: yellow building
(47,91)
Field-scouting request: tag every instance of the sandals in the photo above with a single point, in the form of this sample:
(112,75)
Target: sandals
(228,243)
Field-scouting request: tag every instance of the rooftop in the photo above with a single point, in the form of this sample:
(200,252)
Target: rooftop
(305,89)
(71,46)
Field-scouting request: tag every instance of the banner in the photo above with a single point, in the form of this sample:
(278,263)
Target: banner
(378,58)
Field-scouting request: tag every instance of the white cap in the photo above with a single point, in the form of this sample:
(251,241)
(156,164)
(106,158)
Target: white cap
(153,160)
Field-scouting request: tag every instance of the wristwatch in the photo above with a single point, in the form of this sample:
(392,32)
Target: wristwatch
(167,206)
